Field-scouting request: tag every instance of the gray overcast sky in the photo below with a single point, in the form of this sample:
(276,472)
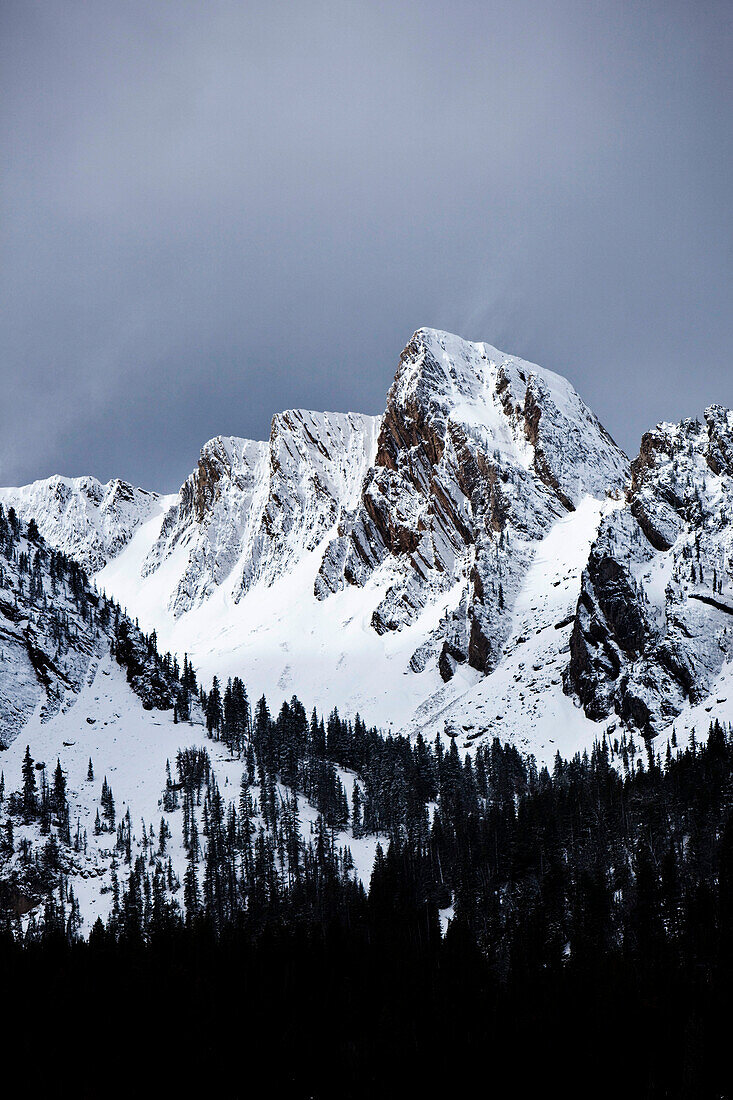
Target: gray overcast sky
(212,211)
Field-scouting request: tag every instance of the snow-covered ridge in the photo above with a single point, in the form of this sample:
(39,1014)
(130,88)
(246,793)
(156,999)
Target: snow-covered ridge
(366,561)
(82,517)
(251,510)
(376,563)
(393,565)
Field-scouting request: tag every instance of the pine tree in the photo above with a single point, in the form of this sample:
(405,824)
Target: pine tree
(59,792)
(108,804)
(30,790)
(214,709)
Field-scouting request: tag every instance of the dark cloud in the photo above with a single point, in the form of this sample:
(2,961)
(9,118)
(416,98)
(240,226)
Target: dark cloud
(213,211)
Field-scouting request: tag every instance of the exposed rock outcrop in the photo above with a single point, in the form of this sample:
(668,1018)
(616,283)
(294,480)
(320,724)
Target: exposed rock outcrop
(653,624)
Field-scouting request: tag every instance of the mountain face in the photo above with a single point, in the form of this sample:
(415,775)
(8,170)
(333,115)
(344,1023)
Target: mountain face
(654,624)
(83,518)
(88,702)
(481,560)
(251,510)
(45,651)
(54,630)
(206,526)
(478,455)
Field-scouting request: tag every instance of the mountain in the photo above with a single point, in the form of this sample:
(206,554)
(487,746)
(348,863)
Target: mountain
(251,511)
(481,560)
(54,630)
(374,563)
(91,717)
(654,625)
(83,518)
(478,455)
(480,568)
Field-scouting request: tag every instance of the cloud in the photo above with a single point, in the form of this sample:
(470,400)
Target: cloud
(214,211)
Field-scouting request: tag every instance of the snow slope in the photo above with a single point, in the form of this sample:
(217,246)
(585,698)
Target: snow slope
(129,746)
(522,700)
(282,640)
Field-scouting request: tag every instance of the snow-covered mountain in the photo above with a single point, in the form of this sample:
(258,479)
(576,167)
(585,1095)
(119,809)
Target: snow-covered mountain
(654,627)
(482,559)
(54,629)
(250,511)
(479,454)
(367,562)
(83,518)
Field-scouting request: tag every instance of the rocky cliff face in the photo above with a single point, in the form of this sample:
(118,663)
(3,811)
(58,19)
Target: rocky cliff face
(251,510)
(210,523)
(36,669)
(82,517)
(479,453)
(654,623)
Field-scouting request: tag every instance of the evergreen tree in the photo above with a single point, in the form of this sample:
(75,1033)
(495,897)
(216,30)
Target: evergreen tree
(30,788)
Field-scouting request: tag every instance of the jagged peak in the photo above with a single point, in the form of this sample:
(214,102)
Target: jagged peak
(533,416)
(320,435)
(717,412)
(224,443)
(85,485)
(711,438)
(83,516)
(312,426)
(229,450)
(715,416)
(483,360)
(301,415)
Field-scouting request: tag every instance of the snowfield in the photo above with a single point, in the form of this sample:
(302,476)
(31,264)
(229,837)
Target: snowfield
(281,641)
